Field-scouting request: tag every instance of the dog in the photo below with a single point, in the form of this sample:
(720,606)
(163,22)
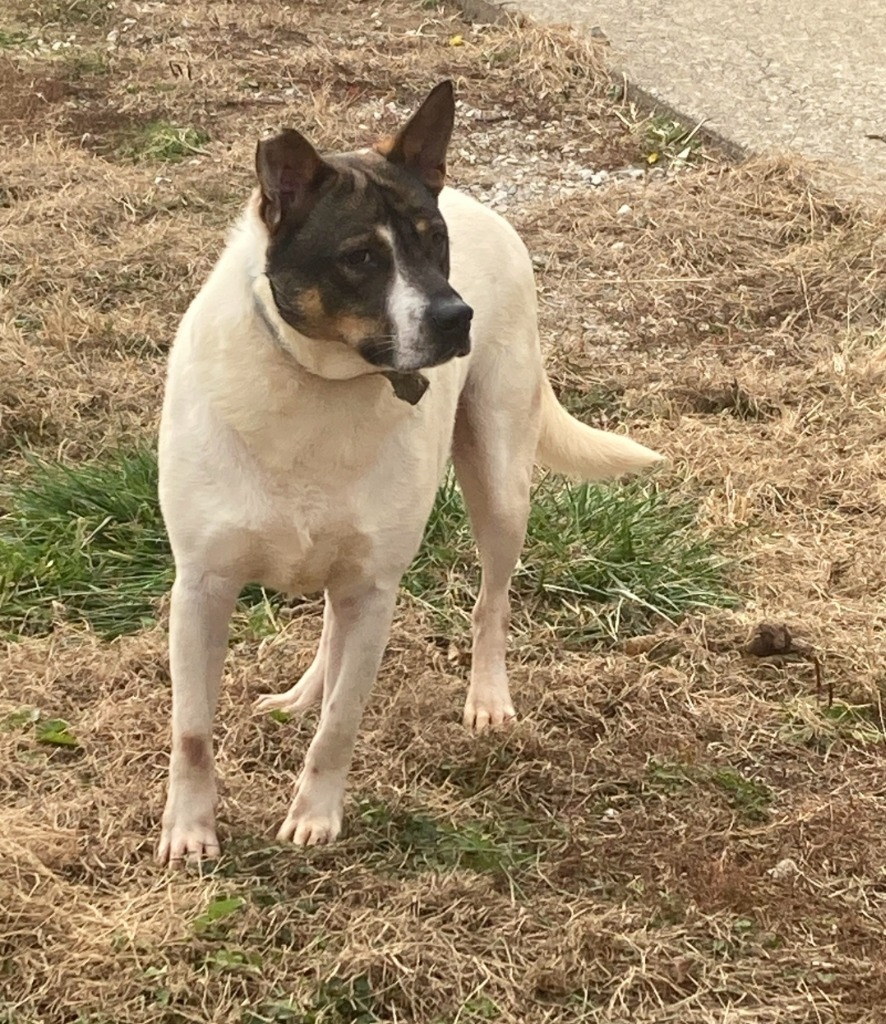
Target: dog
(363,324)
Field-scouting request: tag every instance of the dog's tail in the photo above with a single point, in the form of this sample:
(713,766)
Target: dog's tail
(567,446)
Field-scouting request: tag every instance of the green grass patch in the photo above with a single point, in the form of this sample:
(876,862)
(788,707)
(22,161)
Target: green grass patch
(600,562)
(19,719)
(217,911)
(162,141)
(56,732)
(87,543)
(594,403)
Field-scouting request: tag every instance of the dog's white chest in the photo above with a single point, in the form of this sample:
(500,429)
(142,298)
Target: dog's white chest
(304,545)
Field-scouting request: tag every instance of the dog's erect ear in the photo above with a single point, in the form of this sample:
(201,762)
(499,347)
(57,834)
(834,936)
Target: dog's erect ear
(289,172)
(420,147)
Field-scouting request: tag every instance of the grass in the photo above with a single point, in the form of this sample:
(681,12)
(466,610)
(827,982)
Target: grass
(87,543)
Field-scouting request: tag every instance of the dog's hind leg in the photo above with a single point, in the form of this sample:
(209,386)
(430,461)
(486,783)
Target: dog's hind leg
(359,622)
(493,452)
(308,691)
(198,638)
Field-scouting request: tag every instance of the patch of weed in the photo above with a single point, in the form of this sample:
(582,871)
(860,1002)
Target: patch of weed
(738,941)
(210,922)
(10,38)
(232,960)
(594,403)
(479,770)
(337,1000)
(749,797)
(820,726)
(85,63)
(160,140)
(666,776)
(479,1008)
(347,1001)
(56,732)
(663,138)
(420,842)
(19,719)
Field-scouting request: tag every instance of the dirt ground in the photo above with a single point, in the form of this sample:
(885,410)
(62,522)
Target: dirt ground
(678,829)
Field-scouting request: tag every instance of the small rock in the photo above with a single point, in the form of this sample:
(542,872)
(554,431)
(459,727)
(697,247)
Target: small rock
(785,868)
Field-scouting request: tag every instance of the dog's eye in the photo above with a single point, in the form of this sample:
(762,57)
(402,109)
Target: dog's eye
(439,239)
(357,257)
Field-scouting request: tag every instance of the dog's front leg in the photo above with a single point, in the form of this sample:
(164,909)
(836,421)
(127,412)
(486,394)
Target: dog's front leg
(198,638)
(359,623)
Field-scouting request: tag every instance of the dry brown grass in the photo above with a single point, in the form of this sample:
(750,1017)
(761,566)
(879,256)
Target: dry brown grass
(675,832)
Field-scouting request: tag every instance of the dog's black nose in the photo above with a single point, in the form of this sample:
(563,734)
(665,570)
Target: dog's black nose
(451,315)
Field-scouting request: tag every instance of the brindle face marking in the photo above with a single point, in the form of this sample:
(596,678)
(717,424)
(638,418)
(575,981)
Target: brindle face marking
(358,251)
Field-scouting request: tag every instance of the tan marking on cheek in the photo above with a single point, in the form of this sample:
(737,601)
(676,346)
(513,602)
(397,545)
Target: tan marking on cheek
(195,750)
(355,329)
(421,225)
(311,304)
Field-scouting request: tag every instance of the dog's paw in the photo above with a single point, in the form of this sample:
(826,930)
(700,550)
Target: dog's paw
(309,831)
(306,694)
(488,712)
(187,843)
(316,811)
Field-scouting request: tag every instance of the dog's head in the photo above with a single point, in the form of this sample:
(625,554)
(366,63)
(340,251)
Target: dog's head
(357,249)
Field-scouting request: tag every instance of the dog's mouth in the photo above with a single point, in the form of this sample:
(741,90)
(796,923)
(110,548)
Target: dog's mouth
(443,334)
(385,354)
(381,352)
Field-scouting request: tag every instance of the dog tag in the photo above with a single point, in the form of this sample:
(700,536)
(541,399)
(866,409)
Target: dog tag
(408,386)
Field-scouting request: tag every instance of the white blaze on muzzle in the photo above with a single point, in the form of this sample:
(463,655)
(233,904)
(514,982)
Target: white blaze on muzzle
(406,306)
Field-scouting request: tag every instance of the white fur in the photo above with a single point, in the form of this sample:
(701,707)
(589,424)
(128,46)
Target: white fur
(290,462)
(406,308)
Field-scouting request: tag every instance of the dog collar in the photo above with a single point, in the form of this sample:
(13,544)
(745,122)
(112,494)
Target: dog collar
(408,387)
